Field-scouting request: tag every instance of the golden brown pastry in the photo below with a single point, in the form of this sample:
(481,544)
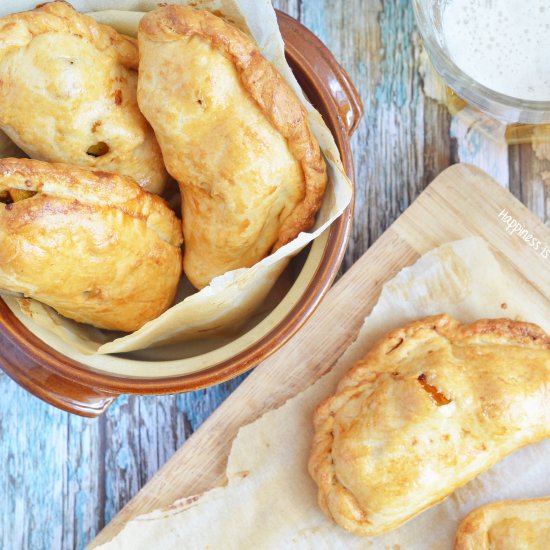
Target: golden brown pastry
(68,94)
(507,525)
(233,135)
(93,245)
(429,408)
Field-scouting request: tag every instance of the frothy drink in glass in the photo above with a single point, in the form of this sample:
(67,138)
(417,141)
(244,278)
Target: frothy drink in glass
(502,44)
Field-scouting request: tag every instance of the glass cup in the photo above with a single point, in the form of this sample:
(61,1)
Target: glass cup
(500,106)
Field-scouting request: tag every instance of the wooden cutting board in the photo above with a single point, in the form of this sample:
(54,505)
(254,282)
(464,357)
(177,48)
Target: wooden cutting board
(463,201)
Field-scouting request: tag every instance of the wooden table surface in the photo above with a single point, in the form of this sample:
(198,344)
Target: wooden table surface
(64,477)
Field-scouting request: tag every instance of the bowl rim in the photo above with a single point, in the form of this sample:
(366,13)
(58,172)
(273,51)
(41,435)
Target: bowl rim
(339,233)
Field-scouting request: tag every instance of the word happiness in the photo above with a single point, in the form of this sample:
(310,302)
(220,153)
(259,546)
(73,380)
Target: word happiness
(513,227)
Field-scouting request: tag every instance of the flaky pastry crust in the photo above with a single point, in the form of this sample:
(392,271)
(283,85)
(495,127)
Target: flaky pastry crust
(431,406)
(506,525)
(233,134)
(93,245)
(68,94)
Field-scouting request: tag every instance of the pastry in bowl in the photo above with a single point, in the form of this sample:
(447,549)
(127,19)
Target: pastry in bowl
(233,134)
(94,246)
(68,94)
(430,407)
(507,525)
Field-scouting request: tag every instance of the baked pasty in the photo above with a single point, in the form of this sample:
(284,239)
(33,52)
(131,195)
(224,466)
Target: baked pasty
(68,94)
(93,245)
(507,525)
(233,135)
(429,408)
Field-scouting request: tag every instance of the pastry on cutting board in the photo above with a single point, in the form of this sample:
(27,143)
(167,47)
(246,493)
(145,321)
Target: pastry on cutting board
(94,246)
(431,406)
(233,134)
(68,94)
(506,525)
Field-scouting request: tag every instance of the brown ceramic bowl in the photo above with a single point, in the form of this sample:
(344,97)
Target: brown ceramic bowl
(88,389)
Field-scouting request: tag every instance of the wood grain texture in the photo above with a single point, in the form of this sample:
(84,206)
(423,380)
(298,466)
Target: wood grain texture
(63,478)
(462,202)
(530,179)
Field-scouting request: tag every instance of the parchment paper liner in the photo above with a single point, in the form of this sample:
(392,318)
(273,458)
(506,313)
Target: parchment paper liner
(270,500)
(230,299)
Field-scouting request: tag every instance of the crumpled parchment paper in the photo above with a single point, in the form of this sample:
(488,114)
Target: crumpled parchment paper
(232,298)
(270,502)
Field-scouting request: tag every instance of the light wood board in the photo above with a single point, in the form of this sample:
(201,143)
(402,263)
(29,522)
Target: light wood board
(463,201)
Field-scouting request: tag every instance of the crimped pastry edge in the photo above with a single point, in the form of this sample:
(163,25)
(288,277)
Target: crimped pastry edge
(502,331)
(320,466)
(472,531)
(95,188)
(268,89)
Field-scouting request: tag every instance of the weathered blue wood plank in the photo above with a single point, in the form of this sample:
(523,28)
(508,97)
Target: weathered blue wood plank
(33,455)
(378,45)
(49,494)
(84,486)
